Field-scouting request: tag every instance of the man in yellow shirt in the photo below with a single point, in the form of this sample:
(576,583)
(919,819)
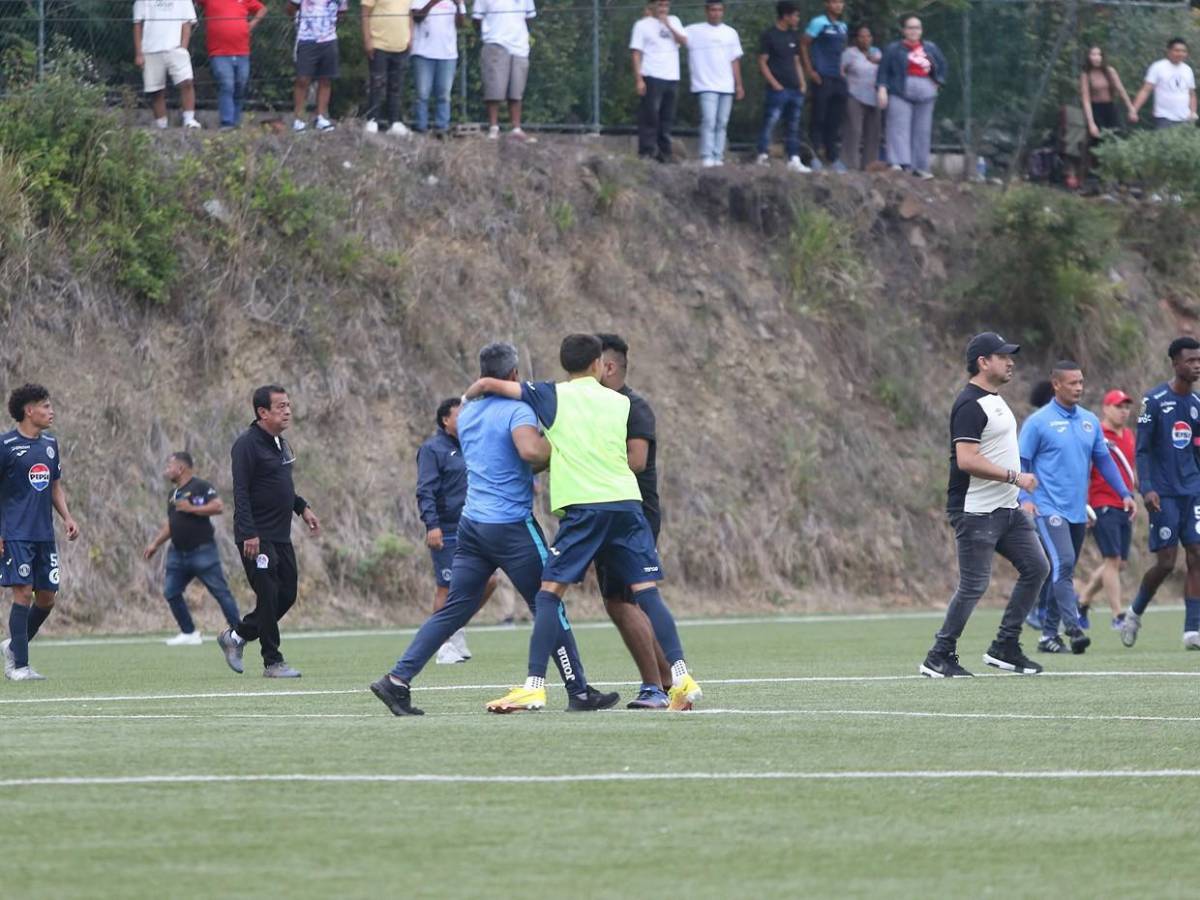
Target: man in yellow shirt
(387,36)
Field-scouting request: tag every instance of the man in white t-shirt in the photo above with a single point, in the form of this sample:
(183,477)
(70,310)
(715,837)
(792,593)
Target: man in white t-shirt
(434,59)
(714,54)
(504,59)
(654,46)
(1174,87)
(162,30)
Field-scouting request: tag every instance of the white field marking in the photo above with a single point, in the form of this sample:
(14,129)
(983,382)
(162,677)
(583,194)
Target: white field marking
(795,679)
(850,775)
(815,619)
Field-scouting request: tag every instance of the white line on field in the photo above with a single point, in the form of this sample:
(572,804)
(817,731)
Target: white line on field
(796,679)
(850,775)
(815,619)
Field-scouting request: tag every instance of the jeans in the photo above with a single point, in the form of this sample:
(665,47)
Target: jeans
(1010,533)
(910,124)
(204,563)
(232,74)
(433,77)
(274,591)
(714,119)
(386,75)
(1062,540)
(656,116)
(790,103)
(828,102)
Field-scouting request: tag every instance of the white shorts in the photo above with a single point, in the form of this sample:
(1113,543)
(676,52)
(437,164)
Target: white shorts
(156,67)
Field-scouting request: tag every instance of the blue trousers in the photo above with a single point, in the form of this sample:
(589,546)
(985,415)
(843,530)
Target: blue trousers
(204,563)
(1063,540)
(232,74)
(434,77)
(787,103)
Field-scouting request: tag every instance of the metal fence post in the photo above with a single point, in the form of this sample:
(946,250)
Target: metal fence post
(969,159)
(41,45)
(596,66)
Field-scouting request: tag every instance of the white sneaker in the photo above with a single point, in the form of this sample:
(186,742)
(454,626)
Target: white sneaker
(458,641)
(708,163)
(25,673)
(763,159)
(10,664)
(323,124)
(372,127)
(518,134)
(494,133)
(186,640)
(796,165)
(718,162)
(448,656)
(399,129)
(1191,640)
(192,123)
(298,125)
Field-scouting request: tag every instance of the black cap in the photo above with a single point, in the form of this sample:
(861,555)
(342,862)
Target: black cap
(988,343)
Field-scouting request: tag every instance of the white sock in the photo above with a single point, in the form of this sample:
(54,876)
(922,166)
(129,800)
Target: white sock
(678,671)
(534,683)
(160,123)
(396,681)
(189,115)
(237,638)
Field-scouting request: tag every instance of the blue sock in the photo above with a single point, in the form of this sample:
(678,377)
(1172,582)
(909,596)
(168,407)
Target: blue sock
(1141,601)
(566,658)
(37,615)
(18,633)
(1191,614)
(180,611)
(547,609)
(665,632)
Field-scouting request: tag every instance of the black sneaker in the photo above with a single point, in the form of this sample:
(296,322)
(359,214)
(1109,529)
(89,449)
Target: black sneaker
(1051,645)
(593,701)
(395,697)
(1009,657)
(1079,641)
(943,665)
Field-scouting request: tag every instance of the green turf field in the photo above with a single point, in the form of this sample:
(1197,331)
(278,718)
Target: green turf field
(804,772)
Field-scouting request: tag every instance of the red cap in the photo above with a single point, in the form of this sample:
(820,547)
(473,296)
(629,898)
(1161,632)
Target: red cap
(1116,398)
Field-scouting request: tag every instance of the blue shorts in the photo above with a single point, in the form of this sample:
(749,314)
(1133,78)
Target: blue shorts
(619,539)
(443,560)
(30,562)
(1113,532)
(1177,521)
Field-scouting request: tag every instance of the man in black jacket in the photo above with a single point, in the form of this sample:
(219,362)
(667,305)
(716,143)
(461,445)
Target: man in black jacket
(264,501)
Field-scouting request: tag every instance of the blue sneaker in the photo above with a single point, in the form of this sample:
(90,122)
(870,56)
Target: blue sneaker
(1117,621)
(649,698)
(1084,623)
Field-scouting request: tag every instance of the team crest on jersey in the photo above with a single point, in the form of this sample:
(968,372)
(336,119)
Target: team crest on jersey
(50,450)
(1087,426)
(1194,412)
(1181,435)
(39,476)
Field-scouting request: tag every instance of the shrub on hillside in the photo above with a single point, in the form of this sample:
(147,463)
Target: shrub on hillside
(1167,161)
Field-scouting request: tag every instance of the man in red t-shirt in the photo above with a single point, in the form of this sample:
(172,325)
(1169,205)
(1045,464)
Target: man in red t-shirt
(1113,528)
(228,24)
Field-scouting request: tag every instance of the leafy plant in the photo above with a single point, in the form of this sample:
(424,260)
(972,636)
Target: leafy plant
(823,265)
(1167,161)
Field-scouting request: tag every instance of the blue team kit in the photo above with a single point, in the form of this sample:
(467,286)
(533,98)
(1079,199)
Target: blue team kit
(1167,430)
(28,469)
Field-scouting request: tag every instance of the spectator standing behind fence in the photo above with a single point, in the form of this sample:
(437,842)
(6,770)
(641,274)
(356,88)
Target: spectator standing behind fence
(860,134)
(162,30)
(387,36)
(910,74)
(714,64)
(779,63)
(434,57)
(821,50)
(1174,87)
(654,49)
(1099,87)
(227,27)
(316,56)
(503,27)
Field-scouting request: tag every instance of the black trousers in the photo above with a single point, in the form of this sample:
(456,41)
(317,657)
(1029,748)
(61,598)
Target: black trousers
(656,116)
(273,577)
(827,101)
(387,70)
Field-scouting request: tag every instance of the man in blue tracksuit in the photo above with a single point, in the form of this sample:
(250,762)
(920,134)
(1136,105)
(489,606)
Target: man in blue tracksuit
(1168,431)
(1059,444)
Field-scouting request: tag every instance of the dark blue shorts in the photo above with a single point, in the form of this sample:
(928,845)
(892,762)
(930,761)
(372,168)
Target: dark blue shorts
(619,540)
(1178,521)
(443,560)
(1113,532)
(610,585)
(30,562)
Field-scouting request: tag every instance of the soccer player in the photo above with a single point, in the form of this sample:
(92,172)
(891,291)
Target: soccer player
(597,496)
(264,500)
(193,552)
(1169,479)
(641,447)
(30,486)
(981,503)
(1059,445)
(500,441)
(1113,530)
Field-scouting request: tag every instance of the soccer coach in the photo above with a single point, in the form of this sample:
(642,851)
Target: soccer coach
(264,501)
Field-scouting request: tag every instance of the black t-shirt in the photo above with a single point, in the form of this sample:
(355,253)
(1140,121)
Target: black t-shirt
(641,424)
(187,531)
(780,48)
(983,418)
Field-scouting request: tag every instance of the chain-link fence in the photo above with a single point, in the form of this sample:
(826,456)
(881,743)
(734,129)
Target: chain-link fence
(1013,63)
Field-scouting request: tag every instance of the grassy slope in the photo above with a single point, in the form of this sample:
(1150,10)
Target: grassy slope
(710,838)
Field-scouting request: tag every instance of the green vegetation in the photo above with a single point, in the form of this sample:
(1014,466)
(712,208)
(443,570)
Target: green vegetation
(714,836)
(1165,161)
(824,269)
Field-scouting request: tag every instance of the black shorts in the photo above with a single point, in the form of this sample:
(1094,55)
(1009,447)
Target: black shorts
(317,60)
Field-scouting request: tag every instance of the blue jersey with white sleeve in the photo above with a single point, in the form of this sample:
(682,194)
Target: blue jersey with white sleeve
(1167,432)
(28,468)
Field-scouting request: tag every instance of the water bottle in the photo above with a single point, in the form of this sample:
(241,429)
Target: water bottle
(981,168)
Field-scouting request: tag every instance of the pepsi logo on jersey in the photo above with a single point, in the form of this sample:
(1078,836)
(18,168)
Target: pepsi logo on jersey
(39,476)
